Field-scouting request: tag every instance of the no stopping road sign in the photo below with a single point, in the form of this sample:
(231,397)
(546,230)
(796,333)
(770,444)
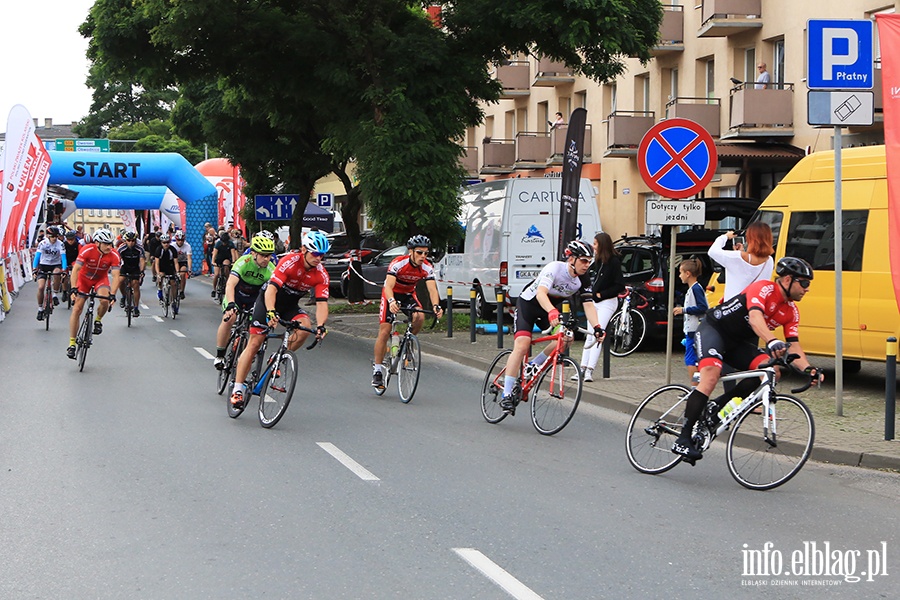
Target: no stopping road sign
(677,158)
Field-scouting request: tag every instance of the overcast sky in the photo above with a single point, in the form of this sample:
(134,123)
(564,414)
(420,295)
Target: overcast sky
(44,66)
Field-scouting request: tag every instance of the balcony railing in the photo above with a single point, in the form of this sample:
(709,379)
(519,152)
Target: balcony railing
(532,149)
(469,159)
(551,73)
(625,129)
(761,113)
(707,112)
(515,78)
(722,18)
(671,31)
(558,144)
(499,156)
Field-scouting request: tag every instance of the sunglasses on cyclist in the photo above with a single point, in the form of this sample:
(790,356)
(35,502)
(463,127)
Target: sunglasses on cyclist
(317,254)
(421,252)
(804,283)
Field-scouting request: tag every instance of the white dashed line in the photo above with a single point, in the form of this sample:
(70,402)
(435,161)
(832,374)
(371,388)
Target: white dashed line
(495,573)
(204,353)
(157,318)
(176,333)
(348,462)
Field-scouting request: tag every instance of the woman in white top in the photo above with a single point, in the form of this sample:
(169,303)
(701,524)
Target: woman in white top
(745,264)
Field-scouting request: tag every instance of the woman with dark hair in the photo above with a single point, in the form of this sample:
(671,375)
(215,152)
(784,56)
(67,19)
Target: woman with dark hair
(749,262)
(608,284)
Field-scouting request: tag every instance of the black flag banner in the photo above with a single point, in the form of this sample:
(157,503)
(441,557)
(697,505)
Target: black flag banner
(571,181)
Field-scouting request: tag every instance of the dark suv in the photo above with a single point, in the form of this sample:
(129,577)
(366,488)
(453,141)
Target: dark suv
(337,259)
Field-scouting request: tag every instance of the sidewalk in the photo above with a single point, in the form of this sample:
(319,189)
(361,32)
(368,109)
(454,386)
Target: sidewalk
(855,439)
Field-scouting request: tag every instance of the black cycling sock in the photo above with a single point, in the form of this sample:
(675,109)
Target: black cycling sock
(220,352)
(742,389)
(696,401)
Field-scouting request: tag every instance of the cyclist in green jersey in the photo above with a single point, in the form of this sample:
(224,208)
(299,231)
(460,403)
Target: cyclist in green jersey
(248,275)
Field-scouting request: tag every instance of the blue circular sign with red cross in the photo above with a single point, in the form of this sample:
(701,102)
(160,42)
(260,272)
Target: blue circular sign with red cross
(677,158)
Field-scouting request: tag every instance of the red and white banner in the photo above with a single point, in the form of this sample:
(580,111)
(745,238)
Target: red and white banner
(17,152)
(889,36)
(128,220)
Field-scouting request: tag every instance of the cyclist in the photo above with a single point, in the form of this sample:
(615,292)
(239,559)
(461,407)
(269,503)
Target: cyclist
(151,244)
(399,291)
(224,253)
(166,263)
(72,246)
(269,236)
(185,262)
(133,264)
(249,274)
(50,258)
(296,274)
(730,334)
(539,304)
(91,271)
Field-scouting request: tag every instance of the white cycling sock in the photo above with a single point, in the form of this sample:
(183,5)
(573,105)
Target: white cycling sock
(508,384)
(379,369)
(239,387)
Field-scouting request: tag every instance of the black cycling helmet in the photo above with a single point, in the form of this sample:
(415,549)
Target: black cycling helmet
(71,235)
(53,230)
(130,236)
(223,235)
(578,248)
(418,241)
(796,267)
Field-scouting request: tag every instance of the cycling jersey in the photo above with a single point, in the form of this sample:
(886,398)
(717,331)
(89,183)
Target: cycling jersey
(184,251)
(223,251)
(407,275)
(50,254)
(293,279)
(250,278)
(95,267)
(165,259)
(732,317)
(131,258)
(555,277)
(72,250)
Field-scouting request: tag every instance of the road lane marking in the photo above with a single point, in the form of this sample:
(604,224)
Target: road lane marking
(204,353)
(348,462)
(157,318)
(497,574)
(176,333)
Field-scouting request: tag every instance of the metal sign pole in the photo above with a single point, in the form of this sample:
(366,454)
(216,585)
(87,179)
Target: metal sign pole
(670,325)
(838,277)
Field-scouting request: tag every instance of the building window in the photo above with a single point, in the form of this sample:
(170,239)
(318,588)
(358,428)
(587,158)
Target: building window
(778,62)
(711,78)
(750,64)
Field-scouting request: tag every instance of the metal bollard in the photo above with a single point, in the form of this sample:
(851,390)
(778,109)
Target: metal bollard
(890,388)
(472,314)
(449,311)
(607,355)
(500,318)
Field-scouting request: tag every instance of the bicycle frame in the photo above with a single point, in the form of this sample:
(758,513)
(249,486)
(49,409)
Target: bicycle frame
(764,391)
(561,338)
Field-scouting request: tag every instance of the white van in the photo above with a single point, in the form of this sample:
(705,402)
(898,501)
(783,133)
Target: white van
(511,230)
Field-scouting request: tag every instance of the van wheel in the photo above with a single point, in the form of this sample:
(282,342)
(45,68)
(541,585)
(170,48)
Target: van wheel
(483,310)
(852,367)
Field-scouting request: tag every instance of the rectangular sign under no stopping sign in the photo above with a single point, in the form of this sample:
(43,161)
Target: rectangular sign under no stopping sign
(675,212)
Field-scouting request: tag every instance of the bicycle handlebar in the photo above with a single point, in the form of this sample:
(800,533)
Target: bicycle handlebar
(93,294)
(295,325)
(785,361)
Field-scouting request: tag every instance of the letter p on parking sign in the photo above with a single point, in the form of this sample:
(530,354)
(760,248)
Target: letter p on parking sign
(840,54)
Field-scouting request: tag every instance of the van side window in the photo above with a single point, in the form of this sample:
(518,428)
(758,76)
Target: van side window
(773,219)
(811,237)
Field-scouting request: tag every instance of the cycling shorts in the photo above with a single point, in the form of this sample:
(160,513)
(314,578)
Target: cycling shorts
(259,324)
(222,258)
(43,271)
(713,349)
(85,284)
(243,300)
(405,300)
(530,313)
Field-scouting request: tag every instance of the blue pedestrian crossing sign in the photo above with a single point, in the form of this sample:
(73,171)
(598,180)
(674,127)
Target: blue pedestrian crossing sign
(677,158)
(840,54)
(275,207)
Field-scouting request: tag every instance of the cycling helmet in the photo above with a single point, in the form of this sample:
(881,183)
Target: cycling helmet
(53,230)
(262,244)
(796,267)
(315,241)
(130,236)
(578,248)
(267,234)
(71,235)
(164,237)
(418,241)
(223,235)
(103,236)
(179,235)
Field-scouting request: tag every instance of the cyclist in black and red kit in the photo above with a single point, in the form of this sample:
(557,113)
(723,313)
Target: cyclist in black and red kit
(730,334)
(132,271)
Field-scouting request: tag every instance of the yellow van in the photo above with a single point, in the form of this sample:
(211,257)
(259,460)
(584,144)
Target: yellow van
(801,213)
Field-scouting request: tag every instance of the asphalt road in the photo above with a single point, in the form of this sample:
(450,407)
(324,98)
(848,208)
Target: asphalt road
(130,481)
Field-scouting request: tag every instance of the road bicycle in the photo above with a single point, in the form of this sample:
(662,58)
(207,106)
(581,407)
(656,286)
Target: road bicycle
(128,296)
(554,387)
(628,327)
(237,341)
(404,359)
(224,272)
(170,301)
(761,454)
(85,336)
(275,383)
(47,304)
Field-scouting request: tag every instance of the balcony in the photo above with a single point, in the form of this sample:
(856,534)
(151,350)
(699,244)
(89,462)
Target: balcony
(469,160)
(532,149)
(551,73)
(515,78)
(558,144)
(671,31)
(704,111)
(722,18)
(765,113)
(499,156)
(625,129)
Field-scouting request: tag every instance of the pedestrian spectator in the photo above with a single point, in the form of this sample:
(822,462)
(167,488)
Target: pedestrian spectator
(750,260)
(695,306)
(558,122)
(762,79)
(608,283)
(209,241)
(279,245)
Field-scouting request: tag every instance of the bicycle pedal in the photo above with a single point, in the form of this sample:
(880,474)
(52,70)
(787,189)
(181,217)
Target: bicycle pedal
(278,388)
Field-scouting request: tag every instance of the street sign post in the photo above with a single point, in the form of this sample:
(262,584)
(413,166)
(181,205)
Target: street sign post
(277,207)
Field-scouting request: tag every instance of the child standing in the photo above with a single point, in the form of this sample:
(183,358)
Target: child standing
(695,307)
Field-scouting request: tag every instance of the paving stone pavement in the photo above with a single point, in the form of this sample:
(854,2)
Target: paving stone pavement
(854,439)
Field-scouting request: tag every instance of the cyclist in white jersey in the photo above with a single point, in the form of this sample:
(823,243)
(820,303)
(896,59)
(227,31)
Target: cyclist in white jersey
(538,304)
(50,258)
(184,259)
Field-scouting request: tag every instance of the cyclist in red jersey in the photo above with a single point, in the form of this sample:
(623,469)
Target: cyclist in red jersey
(91,271)
(730,334)
(403,274)
(296,274)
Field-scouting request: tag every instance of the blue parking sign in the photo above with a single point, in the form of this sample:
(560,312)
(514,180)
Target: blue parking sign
(840,54)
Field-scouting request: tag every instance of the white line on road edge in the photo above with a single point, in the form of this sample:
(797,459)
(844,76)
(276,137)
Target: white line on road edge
(348,462)
(157,318)
(204,353)
(176,333)
(495,573)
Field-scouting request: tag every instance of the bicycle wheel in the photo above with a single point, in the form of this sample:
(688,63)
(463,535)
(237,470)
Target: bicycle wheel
(654,427)
(555,398)
(176,300)
(277,389)
(492,389)
(129,303)
(628,331)
(408,368)
(48,307)
(761,462)
(83,340)
(167,298)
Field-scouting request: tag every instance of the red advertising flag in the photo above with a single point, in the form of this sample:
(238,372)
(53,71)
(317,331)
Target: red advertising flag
(19,131)
(889,36)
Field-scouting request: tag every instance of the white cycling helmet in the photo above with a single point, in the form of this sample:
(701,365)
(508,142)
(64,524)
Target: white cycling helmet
(104,236)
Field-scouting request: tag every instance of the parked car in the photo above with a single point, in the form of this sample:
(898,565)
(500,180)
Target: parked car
(374,271)
(337,260)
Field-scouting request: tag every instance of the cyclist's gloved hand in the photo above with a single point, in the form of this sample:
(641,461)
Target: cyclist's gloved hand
(231,306)
(553,316)
(438,311)
(112,298)
(321,332)
(776,347)
(598,332)
(815,374)
(272,317)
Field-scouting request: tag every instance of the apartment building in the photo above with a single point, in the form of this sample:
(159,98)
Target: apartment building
(704,69)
